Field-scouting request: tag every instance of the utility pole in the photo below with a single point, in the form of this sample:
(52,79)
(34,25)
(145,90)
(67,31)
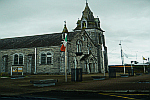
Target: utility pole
(122,56)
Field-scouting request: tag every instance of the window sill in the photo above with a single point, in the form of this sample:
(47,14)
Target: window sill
(46,64)
(17,65)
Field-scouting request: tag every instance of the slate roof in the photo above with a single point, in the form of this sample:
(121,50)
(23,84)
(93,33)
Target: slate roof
(33,41)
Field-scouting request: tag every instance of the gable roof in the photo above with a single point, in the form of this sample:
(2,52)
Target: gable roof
(33,41)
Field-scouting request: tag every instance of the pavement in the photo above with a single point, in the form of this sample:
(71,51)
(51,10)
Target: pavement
(13,87)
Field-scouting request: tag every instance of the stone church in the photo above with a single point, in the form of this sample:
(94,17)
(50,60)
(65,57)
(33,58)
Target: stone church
(41,53)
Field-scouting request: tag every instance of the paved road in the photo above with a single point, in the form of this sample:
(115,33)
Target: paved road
(59,95)
(22,89)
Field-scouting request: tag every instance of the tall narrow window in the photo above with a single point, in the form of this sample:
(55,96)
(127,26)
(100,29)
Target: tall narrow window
(49,58)
(15,59)
(20,59)
(43,58)
(79,45)
(83,24)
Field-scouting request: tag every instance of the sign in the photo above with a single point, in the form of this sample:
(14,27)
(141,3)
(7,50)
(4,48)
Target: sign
(16,70)
(20,69)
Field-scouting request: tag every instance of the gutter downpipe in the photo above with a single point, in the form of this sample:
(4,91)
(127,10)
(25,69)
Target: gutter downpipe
(103,63)
(35,60)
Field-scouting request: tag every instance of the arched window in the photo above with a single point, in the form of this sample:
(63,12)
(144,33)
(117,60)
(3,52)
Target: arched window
(4,63)
(43,58)
(49,58)
(89,48)
(15,59)
(18,59)
(79,46)
(46,58)
(84,24)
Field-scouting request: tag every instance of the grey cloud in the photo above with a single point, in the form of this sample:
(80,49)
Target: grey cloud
(126,20)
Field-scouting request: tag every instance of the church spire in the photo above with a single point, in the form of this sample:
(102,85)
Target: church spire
(87,19)
(87,13)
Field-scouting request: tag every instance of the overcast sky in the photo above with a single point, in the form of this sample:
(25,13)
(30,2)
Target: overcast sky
(125,20)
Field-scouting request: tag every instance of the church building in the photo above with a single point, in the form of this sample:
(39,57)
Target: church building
(39,54)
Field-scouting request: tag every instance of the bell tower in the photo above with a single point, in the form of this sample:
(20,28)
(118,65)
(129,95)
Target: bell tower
(91,26)
(87,20)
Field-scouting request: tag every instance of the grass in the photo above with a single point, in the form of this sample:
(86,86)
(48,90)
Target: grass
(4,74)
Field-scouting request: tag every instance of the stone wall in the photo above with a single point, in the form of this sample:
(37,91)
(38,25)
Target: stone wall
(91,60)
(52,68)
(88,49)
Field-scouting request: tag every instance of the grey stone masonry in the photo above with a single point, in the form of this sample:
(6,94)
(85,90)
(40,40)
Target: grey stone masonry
(54,67)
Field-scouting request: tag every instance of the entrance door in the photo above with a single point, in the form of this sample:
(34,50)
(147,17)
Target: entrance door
(4,64)
(94,68)
(29,64)
(86,68)
(90,67)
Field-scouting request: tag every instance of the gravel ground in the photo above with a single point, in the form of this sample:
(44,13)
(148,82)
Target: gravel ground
(11,87)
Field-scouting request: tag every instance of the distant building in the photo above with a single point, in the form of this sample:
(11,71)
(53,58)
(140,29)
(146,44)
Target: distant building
(41,53)
(139,67)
